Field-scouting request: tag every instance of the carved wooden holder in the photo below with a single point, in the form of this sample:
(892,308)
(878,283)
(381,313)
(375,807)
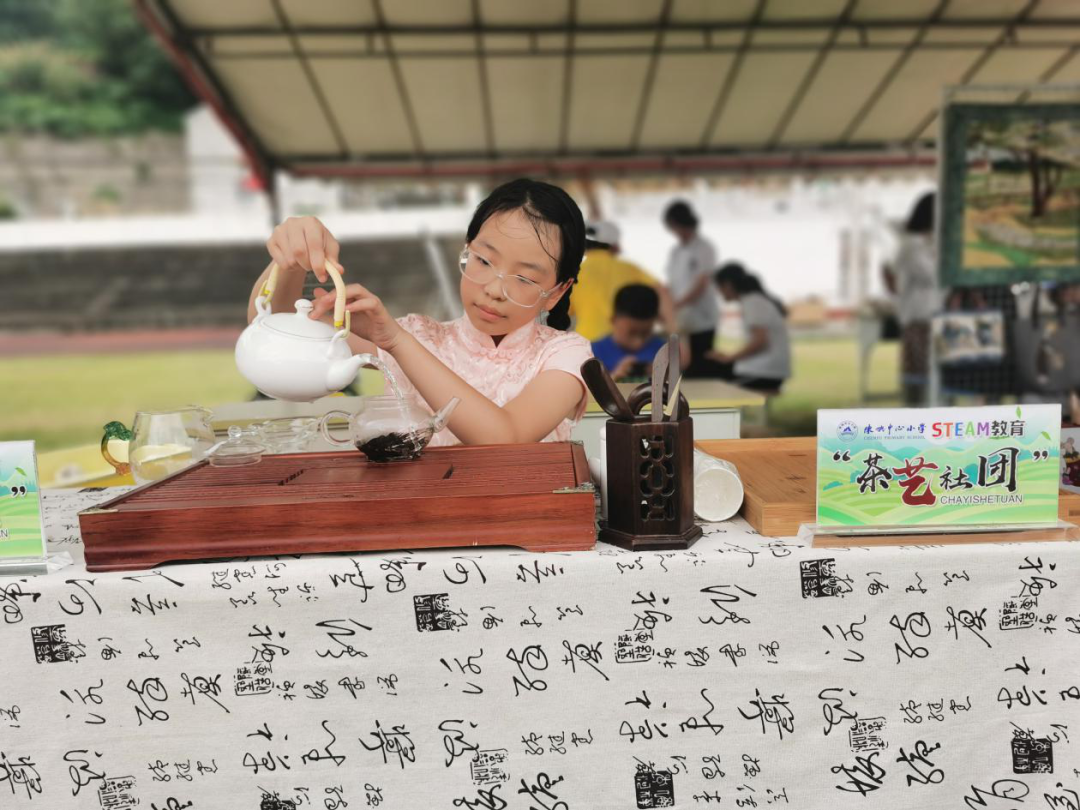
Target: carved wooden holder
(650,479)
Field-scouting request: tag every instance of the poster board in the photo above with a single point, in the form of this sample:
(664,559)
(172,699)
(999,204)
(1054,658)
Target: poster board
(1010,193)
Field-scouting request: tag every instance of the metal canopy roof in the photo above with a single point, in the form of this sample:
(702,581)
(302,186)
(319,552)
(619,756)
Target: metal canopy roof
(407,87)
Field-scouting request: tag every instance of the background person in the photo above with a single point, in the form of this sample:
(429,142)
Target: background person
(763,362)
(912,277)
(689,268)
(603,273)
(629,350)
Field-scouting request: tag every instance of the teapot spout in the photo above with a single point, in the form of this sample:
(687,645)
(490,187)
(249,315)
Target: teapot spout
(343,372)
(439,420)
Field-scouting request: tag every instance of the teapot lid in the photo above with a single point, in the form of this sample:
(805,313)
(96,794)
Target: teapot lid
(299,324)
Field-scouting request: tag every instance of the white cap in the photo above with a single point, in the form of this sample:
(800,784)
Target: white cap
(603,231)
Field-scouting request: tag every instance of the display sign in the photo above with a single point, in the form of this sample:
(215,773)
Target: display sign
(938,467)
(21,532)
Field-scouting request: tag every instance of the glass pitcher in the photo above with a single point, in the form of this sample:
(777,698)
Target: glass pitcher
(165,442)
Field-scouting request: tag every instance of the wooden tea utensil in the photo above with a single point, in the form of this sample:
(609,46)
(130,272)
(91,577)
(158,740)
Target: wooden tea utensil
(674,373)
(659,377)
(673,398)
(604,390)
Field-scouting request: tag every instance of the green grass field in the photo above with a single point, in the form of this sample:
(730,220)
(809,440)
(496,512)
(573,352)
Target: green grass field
(20,526)
(64,401)
(826,375)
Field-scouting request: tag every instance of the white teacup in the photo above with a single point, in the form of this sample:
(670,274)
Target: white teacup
(718,490)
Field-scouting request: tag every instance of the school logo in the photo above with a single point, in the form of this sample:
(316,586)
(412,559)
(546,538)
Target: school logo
(847,431)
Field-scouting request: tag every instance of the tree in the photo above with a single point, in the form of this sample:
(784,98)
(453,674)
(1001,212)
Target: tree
(73,68)
(1033,145)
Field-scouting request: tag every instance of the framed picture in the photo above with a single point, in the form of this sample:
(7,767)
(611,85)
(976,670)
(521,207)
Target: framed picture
(1010,194)
(1070,459)
(969,338)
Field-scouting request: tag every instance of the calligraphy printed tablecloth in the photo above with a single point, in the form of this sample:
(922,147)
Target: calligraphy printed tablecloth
(745,672)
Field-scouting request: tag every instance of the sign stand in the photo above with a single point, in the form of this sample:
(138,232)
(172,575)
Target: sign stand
(938,476)
(829,537)
(22,533)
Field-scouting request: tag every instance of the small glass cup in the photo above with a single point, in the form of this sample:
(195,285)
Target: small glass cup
(289,434)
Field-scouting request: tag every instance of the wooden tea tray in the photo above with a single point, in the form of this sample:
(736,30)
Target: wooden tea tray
(780,479)
(535,496)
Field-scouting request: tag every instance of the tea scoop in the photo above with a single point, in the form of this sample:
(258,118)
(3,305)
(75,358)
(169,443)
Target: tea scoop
(605,391)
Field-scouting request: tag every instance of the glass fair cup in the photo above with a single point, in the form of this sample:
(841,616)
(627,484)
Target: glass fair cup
(165,442)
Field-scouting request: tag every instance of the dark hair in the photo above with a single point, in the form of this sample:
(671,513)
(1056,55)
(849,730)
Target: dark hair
(680,213)
(543,204)
(744,282)
(921,219)
(638,301)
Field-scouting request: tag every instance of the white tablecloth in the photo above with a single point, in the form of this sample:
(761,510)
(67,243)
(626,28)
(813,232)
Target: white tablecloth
(745,672)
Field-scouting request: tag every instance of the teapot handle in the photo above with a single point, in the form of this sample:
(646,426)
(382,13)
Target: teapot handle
(116,430)
(262,302)
(342,318)
(324,428)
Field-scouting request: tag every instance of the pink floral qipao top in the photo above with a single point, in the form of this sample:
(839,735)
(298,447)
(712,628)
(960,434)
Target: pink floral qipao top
(498,372)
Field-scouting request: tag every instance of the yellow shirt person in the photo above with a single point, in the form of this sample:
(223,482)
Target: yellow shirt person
(602,275)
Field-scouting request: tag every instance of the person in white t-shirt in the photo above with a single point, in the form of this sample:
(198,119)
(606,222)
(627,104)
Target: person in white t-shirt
(689,268)
(763,362)
(912,277)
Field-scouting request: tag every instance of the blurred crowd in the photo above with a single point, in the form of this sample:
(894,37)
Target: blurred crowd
(628,313)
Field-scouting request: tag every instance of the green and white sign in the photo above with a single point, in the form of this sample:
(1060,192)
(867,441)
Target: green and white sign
(21,532)
(938,466)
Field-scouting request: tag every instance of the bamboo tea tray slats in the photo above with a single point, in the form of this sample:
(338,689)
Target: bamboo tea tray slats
(535,496)
(780,480)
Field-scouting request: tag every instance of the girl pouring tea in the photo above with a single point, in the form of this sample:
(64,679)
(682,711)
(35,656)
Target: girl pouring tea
(518,378)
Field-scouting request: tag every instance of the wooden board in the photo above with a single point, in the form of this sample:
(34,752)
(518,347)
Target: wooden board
(535,496)
(780,479)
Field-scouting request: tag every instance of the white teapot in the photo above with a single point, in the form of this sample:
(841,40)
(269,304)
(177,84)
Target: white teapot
(287,355)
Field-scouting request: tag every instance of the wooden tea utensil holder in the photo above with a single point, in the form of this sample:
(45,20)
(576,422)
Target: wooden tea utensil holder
(650,479)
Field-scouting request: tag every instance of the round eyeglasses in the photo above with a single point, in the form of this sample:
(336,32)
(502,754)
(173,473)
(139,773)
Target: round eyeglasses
(517,289)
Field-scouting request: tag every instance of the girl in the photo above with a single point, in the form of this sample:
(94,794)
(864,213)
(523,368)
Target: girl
(764,361)
(518,379)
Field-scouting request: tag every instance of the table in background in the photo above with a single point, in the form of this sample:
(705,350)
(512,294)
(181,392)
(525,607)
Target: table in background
(744,672)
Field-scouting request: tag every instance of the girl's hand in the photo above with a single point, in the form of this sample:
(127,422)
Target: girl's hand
(370,320)
(303,243)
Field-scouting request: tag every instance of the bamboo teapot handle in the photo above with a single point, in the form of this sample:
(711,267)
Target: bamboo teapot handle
(342,318)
